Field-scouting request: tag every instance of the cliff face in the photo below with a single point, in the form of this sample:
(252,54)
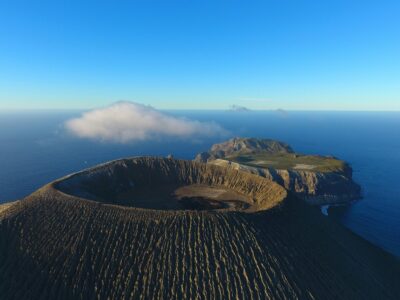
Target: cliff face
(315,187)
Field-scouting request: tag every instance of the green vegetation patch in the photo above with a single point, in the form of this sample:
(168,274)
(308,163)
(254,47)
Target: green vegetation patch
(290,161)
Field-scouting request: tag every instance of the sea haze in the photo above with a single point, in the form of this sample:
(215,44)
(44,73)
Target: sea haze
(35,149)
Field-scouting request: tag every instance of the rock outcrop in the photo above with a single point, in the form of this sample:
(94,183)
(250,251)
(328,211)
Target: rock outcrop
(315,187)
(243,146)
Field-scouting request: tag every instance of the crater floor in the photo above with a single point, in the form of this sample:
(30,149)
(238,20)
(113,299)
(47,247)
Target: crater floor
(187,197)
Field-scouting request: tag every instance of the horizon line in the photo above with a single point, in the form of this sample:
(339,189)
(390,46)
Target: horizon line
(204,109)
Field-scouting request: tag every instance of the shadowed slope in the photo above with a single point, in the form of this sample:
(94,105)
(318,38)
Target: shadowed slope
(59,246)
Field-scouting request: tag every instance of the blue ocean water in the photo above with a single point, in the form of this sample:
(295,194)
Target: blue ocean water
(36,149)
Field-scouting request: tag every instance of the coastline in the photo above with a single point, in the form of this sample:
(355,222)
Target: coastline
(325,207)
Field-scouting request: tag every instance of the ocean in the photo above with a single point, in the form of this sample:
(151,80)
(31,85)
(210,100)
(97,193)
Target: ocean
(36,149)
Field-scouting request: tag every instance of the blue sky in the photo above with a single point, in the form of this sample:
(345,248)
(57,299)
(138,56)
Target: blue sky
(299,55)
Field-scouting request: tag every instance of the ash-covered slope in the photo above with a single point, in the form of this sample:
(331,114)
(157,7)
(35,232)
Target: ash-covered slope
(56,245)
(316,179)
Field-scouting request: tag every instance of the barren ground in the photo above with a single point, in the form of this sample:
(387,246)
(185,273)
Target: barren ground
(188,197)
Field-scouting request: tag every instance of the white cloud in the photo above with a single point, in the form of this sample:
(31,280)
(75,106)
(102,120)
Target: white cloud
(125,122)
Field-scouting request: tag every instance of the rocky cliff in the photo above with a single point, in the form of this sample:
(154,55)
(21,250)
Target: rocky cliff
(316,187)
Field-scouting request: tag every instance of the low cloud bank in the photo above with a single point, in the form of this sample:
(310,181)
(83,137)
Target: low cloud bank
(125,122)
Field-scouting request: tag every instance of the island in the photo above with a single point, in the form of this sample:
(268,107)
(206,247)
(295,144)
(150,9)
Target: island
(163,228)
(319,180)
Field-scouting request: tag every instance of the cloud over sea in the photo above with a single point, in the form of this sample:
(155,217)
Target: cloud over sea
(127,122)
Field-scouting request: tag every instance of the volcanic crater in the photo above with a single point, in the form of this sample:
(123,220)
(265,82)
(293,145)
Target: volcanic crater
(157,228)
(168,184)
